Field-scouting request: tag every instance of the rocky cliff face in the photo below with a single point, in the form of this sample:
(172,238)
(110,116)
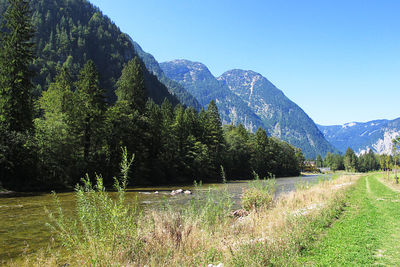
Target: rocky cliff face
(249,98)
(363,136)
(280,116)
(198,80)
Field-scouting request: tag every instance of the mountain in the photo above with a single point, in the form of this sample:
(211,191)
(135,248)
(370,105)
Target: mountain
(196,78)
(280,116)
(249,98)
(71,32)
(362,136)
(178,90)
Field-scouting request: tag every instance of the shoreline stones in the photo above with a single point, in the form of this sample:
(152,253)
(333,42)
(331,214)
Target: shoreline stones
(180,191)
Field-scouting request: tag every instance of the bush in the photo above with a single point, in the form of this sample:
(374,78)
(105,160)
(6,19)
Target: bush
(260,193)
(105,229)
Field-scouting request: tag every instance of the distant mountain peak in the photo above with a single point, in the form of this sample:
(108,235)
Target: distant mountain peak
(247,97)
(175,88)
(186,70)
(376,135)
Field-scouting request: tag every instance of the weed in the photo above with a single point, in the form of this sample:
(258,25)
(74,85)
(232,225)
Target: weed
(105,229)
(260,193)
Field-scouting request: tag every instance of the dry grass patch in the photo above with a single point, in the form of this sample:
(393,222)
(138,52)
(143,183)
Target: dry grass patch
(269,235)
(391,183)
(202,232)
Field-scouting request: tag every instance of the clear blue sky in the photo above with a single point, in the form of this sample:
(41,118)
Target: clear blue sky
(337,59)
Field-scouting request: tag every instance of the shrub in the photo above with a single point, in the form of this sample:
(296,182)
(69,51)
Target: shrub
(260,193)
(105,228)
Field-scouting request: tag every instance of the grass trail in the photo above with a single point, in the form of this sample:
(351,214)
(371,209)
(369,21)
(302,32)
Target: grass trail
(367,233)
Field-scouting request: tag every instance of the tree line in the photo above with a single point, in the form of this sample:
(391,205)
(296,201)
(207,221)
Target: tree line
(70,129)
(365,162)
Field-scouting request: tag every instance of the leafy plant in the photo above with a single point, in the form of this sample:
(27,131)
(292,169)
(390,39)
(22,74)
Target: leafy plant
(105,227)
(259,194)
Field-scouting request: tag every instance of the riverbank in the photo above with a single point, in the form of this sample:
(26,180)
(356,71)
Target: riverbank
(24,219)
(368,232)
(207,235)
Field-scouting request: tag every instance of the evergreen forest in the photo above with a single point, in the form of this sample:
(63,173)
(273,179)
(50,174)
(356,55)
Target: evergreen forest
(73,93)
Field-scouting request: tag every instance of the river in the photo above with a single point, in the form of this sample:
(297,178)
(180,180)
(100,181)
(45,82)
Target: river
(23,216)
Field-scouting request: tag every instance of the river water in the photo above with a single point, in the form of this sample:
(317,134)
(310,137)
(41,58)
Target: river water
(23,217)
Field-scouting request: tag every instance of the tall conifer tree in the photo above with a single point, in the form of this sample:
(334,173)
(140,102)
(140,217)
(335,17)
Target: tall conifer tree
(131,87)
(16,55)
(214,137)
(90,107)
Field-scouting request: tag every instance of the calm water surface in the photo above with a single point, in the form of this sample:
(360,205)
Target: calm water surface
(23,217)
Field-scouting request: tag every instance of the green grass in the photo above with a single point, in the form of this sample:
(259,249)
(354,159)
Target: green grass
(367,233)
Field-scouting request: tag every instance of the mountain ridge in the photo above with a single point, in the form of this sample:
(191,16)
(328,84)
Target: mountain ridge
(196,78)
(259,99)
(376,135)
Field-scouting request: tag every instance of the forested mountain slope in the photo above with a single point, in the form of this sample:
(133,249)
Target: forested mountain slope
(71,32)
(152,65)
(247,97)
(280,116)
(198,80)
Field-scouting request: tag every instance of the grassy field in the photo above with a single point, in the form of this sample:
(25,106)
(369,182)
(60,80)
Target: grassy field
(367,233)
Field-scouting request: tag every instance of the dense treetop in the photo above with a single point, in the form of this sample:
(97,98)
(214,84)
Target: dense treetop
(72,32)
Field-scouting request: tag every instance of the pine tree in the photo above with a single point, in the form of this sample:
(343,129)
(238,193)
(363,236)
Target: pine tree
(89,109)
(261,156)
(319,161)
(238,151)
(16,56)
(350,160)
(214,138)
(131,87)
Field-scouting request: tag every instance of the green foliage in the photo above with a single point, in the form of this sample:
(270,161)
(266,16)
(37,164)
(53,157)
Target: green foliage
(368,162)
(89,108)
(16,56)
(260,193)
(54,132)
(17,157)
(319,161)
(247,152)
(350,160)
(105,228)
(334,162)
(80,57)
(131,87)
(72,32)
(209,207)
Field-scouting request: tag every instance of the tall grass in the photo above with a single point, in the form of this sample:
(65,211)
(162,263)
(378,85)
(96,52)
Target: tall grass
(105,228)
(109,233)
(260,193)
